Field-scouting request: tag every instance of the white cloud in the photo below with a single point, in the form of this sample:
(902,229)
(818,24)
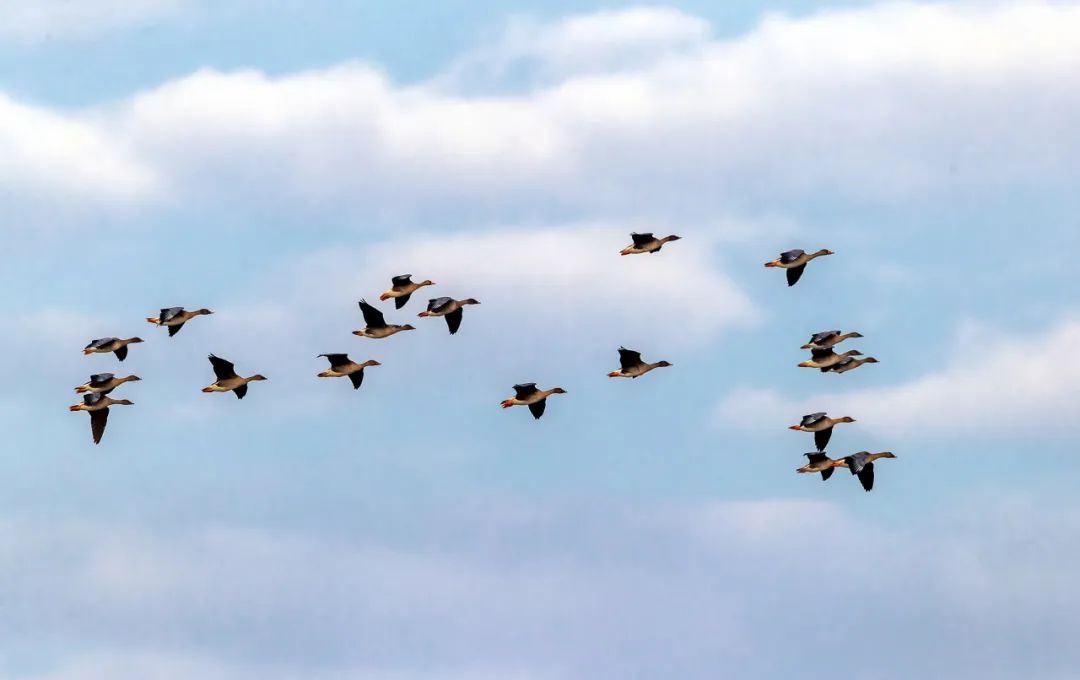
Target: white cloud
(992,384)
(45,153)
(884,102)
(35,21)
(607,592)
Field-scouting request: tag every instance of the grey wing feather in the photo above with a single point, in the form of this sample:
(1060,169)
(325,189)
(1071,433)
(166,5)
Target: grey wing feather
(823,335)
(791,255)
(435,304)
(100,379)
(169,313)
(401,280)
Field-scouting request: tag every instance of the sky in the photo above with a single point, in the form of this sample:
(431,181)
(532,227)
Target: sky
(277,161)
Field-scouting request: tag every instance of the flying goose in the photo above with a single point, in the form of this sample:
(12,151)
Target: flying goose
(631,365)
(342,366)
(402,288)
(794,261)
(527,394)
(227,380)
(646,243)
(826,358)
(115,345)
(376,324)
(103,383)
(98,405)
(862,464)
(175,318)
(828,339)
(821,425)
(848,364)
(449,308)
(818,461)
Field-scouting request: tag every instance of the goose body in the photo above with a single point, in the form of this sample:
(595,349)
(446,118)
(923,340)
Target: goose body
(828,339)
(227,379)
(821,425)
(449,308)
(341,366)
(795,261)
(861,465)
(103,383)
(818,461)
(849,364)
(377,327)
(97,404)
(826,358)
(527,394)
(175,317)
(646,243)
(402,288)
(631,365)
(117,346)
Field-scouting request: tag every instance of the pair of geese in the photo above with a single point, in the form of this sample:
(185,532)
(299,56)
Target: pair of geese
(861,464)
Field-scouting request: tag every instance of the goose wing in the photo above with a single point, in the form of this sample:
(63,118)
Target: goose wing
(401,280)
(525,390)
(372,317)
(642,239)
(794,274)
(453,320)
(98,419)
(337,359)
(537,408)
(628,358)
(169,313)
(222,369)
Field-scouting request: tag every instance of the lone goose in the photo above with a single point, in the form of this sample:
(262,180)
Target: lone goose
(103,383)
(227,380)
(819,462)
(827,339)
(376,325)
(647,243)
(821,425)
(826,358)
(98,405)
(402,288)
(115,345)
(449,308)
(176,317)
(528,395)
(849,364)
(862,464)
(631,365)
(794,261)
(341,366)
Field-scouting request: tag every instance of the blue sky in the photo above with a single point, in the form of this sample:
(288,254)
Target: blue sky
(277,162)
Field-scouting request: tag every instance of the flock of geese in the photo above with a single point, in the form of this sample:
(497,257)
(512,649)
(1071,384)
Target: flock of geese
(825,358)
(97,402)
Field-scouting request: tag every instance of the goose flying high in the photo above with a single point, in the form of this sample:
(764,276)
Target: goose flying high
(376,324)
(342,366)
(821,425)
(828,339)
(826,358)
(98,406)
(527,394)
(449,308)
(631,365)
(818,461)
(103,383)
(402,288)
(794,261)
(227,379)
(115,345)
(862,465)
(646,243)
(175,317)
